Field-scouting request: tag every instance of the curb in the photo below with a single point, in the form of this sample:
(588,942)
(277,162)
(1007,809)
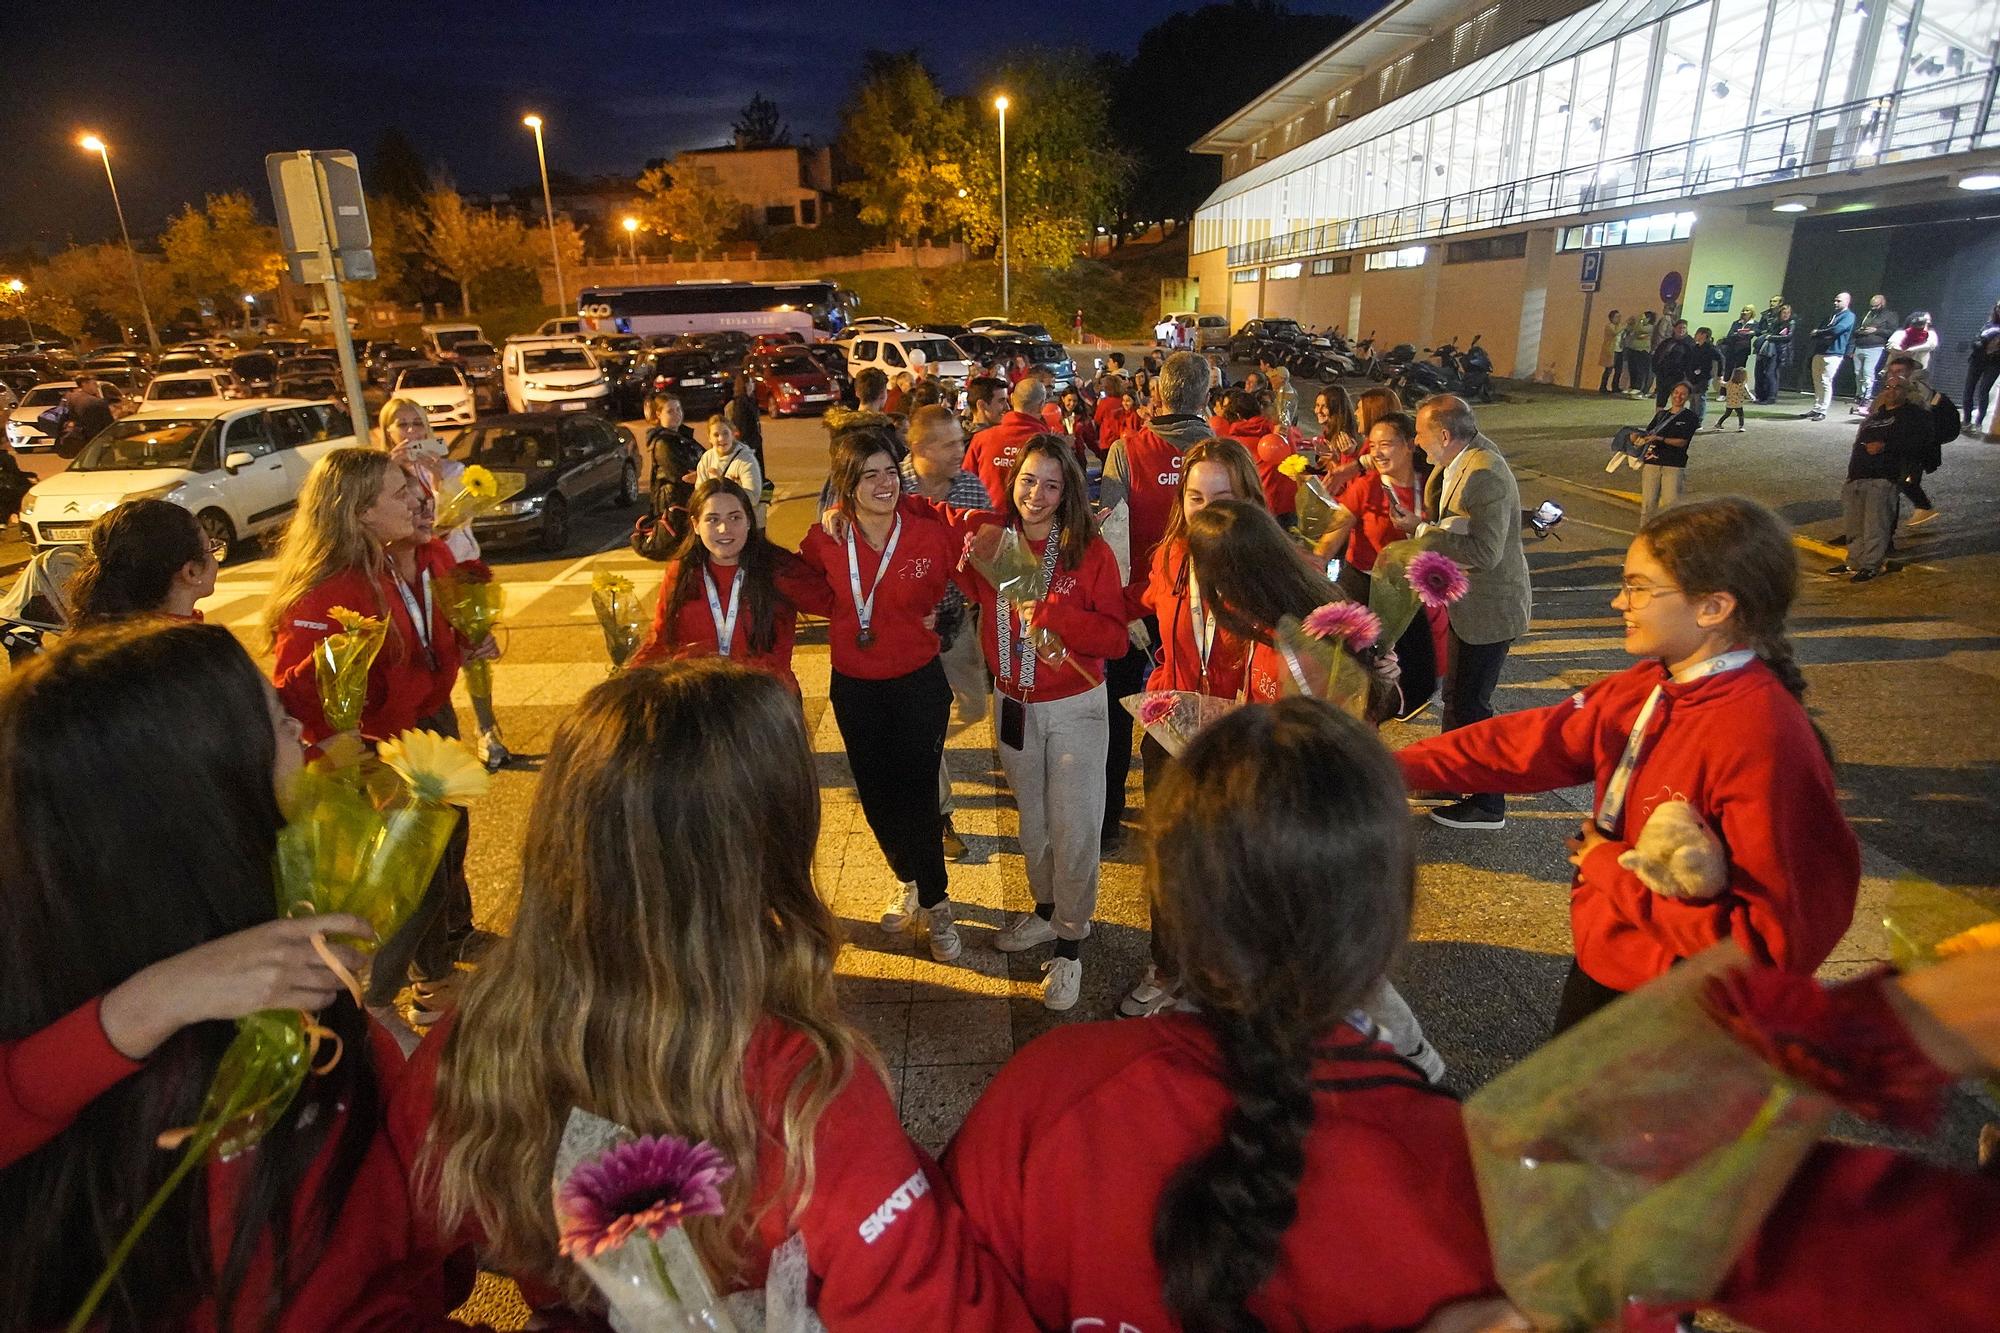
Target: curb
(1800,540)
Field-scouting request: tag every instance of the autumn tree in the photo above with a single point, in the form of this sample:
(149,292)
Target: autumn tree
(39,308)
(470,244)
(681,202)
(760,125)
(216,253)
(97,280)
(909,147)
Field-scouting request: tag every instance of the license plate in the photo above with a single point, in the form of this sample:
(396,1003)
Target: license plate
(574,407)
(694,384)
(817,397)
(65,532)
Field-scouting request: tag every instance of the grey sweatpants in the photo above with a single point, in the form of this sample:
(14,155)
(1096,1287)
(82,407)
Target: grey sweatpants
(1058,781)
(1871,518)
(1394,1019)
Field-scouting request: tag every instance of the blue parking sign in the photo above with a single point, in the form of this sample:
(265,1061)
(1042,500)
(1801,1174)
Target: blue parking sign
(1593,269)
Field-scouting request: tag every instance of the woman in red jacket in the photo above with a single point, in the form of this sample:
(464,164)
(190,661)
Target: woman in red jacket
(728,592)
(136,919)
(879,586)
(671,968)
(1710,717)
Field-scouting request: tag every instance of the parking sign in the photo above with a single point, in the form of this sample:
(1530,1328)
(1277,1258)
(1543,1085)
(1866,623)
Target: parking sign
(1593,269)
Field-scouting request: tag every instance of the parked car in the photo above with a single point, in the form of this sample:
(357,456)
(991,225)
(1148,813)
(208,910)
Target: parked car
(480,363)
(237,466)
(284,347)
(692,376)
(192,388)
(123,384)
(315,385)
(441,340)
(727,349)
(440,389)
(569,463)
(787,383)
(894,352)
(876,324)
(567,326)
(319,324)
(257,372)
(24,425)
(951,331)
(771,342)
(380,356)
(184,359)
(1041,355)
(131,356)
(1210,331)
(833,361)
(552,375)
(618,355)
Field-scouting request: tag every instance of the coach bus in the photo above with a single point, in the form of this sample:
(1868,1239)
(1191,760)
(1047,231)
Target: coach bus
(815,310)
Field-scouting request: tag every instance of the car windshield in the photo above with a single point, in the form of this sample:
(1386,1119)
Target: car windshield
(308,386)
(138,444)
(255,364)
(44,395)
(169,364)
(517,448)
(428,377)
(795,364)
(544,359)
(473,349)
(1046,353)
(682,363)
(316,365)
(934,349)
(167,391)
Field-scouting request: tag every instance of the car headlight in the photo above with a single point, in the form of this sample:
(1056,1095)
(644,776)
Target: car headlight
(528,504)
(28,505)
(174,493)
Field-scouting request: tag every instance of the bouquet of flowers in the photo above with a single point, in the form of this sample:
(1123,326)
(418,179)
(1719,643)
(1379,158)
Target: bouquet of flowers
(619,613)
(1016,575)
(1406,577)
(1173,717)
(1624,1166)
(472,603)
(340,666)
(363,838)
(1315,506)
(478,493)
(1324,655)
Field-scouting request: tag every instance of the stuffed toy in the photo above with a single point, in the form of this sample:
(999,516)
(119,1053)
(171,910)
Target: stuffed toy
(1678,855)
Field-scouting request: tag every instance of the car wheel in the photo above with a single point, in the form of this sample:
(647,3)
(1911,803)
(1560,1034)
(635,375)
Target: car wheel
(628,485)
(555,525)
(219,532)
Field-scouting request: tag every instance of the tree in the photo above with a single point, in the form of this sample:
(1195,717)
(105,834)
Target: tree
(681,203)
(220,251)
(910,148)
(396,173)
(97,280)
(470,244)
(759,125)
(40,308)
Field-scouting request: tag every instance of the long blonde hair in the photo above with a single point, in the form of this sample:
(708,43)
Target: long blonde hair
(326,535)
(654,938)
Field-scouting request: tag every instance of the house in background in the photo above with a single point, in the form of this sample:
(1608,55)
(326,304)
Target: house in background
(777,187)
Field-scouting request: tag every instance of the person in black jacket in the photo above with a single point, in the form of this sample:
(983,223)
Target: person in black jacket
(1897,430)
(1871,334)
(1736,343)
(1705,366)
(749,425)
(1671,357)
(1774,349)
(672,454)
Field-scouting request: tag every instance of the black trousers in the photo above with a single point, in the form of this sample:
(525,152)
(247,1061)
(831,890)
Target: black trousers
(1769,369)
(428,945)
(1607,381)
(1581,997)
(1154,761)
(1471,674)
(1125,676)
(894,733)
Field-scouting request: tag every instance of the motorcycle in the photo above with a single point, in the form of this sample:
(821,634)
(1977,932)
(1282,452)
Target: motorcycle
(1391,363)
(1418,380)
(1475,372)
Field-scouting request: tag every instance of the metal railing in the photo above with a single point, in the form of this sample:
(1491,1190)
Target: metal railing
(1951,116)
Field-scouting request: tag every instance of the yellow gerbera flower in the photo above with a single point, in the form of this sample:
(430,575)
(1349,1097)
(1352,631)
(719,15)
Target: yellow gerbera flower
(608,583)
(354,620)
(479,482)
(1977,940)
(1294,466)
(436,767)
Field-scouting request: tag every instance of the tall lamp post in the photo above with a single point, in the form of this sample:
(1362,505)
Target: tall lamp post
(1006,296)
(631,225)
(20,291)
(90,143)
(548,208)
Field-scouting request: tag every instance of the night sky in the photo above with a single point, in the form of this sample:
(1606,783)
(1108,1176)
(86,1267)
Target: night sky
(191,94)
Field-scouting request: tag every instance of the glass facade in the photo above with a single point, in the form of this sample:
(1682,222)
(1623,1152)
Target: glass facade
(1628,102)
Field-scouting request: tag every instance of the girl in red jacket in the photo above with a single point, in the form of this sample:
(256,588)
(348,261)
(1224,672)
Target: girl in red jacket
(671,968)
(1710,720)
(728,592)
(136,919)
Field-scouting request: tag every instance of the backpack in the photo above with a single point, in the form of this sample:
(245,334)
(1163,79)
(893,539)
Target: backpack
(657,538)
(1945,426)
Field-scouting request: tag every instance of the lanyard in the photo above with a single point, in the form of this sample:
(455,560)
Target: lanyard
(1004,621)
(1612,807)
(1202,624)
(864,607)
(419,618)
(725,626)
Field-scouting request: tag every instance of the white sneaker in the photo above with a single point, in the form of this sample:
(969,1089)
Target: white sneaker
(1025,931)
(1426,1058)
(901,910)
(1064,984)
(945,944)
(1152,995)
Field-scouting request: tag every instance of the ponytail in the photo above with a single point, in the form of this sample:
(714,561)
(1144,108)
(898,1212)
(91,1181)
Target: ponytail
(1220,1220)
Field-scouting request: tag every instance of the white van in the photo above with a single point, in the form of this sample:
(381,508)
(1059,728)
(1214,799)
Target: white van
(552,375)
(439,339)
(895,351)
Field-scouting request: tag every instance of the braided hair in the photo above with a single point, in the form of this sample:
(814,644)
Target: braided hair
(1281,865)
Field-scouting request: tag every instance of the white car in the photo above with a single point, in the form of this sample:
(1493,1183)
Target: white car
(24,427)
(320,323)
(442,391)
(895,352)
(567,326)
(238,467)
(552,375)
(192,388)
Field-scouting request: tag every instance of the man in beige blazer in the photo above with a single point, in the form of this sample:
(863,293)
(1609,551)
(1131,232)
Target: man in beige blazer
(1476,509)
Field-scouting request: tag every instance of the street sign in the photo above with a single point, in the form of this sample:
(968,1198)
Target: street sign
(1593,269)
(322,216)
(1671,287)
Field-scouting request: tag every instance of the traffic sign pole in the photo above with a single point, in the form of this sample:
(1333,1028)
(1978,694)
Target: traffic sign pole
(323,223)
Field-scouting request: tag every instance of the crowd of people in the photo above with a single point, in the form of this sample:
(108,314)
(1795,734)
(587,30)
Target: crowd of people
(671,962)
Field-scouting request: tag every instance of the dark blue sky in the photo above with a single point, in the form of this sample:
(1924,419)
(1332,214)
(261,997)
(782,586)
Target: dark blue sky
(192,93)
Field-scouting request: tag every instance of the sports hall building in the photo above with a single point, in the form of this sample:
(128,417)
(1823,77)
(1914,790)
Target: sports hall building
(1453,168)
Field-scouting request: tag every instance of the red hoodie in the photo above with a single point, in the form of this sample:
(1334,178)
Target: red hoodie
(695,635)
(992,451)
(1269,448)
(403,687)
(887,1244)
(926,555)
(1739,748)
(1180,662)
(1153,488)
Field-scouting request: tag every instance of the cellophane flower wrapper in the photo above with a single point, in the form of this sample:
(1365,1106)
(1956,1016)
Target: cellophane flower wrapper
(341,662)
(1173,718)
(1390,594)
(473,603)
(1314,508)
(359,842)
(998,555)
(619,614)
(1928,923)
(476,494)
(1631,1159)
(1321,669)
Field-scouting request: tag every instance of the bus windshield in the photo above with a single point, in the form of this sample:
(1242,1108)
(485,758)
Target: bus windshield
(812,309)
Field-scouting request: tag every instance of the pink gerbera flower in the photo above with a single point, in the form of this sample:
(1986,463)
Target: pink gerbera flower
(1349,623)
(1157,708)
(649,1186)
(1437,579)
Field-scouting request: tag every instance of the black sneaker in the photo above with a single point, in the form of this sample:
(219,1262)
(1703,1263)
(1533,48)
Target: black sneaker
(1864,575)
(1467,815)
(1836,571)
(954,846)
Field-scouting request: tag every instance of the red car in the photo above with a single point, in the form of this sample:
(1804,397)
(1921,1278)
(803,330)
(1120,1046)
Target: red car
(788,382)
(776,342)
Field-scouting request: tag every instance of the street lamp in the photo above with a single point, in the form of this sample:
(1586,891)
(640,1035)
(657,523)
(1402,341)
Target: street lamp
(90,143)
(1006,301)
(631,225)
(20,290)
(548,208)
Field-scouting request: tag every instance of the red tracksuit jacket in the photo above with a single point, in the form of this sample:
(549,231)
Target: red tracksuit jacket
(1153,484)
(1737,747)
(402,688)
(886,1242)
(991,453)
(695,635)
(926,556)
(1180,659)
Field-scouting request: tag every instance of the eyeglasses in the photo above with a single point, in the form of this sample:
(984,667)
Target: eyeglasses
(1638,595)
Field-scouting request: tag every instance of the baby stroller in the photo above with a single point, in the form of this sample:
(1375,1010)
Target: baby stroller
(38,603)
